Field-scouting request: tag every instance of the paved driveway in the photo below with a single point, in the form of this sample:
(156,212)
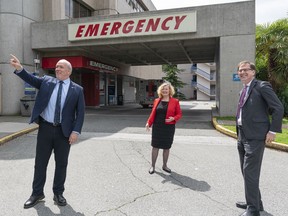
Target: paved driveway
(108,171)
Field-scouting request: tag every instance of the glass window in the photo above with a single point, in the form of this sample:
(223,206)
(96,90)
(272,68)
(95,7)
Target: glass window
(84,12)
(67,8)
(74,9)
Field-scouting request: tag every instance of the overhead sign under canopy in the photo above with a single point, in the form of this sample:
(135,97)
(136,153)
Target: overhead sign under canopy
(79,62)
(150,25)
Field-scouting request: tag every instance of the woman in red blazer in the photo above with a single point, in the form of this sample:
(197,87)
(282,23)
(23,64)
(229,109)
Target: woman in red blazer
(165,113)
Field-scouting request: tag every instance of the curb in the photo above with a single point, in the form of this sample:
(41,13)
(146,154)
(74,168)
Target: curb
(273,145)
(218,127)
(17,134)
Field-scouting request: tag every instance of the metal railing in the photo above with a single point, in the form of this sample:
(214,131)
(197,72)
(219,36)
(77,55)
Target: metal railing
(204,74)
(206,90)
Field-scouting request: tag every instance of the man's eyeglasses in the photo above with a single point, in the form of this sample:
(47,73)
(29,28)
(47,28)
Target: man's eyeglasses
(244,70)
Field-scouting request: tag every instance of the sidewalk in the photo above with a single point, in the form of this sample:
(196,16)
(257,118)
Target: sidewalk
(12,127)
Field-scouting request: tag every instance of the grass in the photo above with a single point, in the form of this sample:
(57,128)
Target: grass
(280,137)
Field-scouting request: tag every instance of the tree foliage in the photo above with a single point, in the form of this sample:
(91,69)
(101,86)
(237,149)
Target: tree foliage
(171,72)
(272,56)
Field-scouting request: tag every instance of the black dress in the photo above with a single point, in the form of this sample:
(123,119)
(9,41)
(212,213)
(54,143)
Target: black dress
(162,134)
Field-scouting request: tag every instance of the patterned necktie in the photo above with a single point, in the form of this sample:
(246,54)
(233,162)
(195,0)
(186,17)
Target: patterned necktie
(241,100)
(58,104)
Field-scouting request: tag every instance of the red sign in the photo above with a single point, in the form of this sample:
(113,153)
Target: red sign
(78,62)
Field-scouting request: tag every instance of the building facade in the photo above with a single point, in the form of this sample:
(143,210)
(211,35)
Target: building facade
(102,80)
(200,81)
(113,42)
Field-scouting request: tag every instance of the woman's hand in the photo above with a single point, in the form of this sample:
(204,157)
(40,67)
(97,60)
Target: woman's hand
(170,119)
(147,127)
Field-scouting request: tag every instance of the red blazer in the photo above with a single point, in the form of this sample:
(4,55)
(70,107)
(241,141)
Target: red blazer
(173,110)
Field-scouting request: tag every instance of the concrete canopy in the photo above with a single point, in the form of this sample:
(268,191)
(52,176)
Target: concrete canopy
(222,33)
(213,22)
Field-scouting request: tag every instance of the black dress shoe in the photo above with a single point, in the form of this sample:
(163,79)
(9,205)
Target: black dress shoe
(243,205)
(249,213)
(60,200)
(32,201)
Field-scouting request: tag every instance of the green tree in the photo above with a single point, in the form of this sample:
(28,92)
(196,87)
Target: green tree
(272,57)
(272,53)
(171,71)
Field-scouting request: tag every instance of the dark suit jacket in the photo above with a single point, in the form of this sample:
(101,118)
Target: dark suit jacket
(74,106)
(261,102)
(173,110)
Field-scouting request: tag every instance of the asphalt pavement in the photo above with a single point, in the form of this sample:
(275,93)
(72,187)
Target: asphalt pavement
(108,169)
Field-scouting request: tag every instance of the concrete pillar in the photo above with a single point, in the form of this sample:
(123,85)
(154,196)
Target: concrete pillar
(232,50)
(104,7)
(15,38)
(0,94)
(54,10)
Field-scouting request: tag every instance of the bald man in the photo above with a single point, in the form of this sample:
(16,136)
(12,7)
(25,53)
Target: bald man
(59,110)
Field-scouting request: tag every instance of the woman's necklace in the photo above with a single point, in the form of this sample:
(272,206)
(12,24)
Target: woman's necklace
(164,103)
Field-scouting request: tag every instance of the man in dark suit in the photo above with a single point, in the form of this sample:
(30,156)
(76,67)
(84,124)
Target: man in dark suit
(59,111)
(257,102)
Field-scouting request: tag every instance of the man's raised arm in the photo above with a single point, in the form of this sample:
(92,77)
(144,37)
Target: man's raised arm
(14,62)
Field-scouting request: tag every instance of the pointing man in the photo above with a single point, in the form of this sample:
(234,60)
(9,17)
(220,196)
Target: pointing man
(59,111)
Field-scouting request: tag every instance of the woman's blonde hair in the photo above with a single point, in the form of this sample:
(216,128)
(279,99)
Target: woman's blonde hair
(171,89)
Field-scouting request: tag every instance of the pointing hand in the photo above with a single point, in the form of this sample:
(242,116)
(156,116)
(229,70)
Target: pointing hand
(14,62)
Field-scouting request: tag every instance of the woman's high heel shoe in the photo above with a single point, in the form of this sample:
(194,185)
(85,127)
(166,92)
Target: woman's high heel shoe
(151,170)
(166,169)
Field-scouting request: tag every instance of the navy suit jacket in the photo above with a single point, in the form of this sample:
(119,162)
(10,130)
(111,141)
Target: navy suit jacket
(261,102)
(74,106)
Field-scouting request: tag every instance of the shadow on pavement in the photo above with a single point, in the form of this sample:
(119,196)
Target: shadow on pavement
(266,214)
(185,181)
(43,210)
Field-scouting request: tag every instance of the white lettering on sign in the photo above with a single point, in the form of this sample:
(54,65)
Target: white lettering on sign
(102,66)
(162,24)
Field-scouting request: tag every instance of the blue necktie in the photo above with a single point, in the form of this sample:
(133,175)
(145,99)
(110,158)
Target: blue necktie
(58,104)
(241,100)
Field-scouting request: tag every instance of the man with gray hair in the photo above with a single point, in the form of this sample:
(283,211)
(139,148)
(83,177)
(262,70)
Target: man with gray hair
(59,111)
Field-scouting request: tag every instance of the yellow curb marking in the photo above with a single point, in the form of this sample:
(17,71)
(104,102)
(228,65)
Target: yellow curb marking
(274,145)
(17,134)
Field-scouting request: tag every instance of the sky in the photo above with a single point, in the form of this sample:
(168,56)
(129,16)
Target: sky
(267,11)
